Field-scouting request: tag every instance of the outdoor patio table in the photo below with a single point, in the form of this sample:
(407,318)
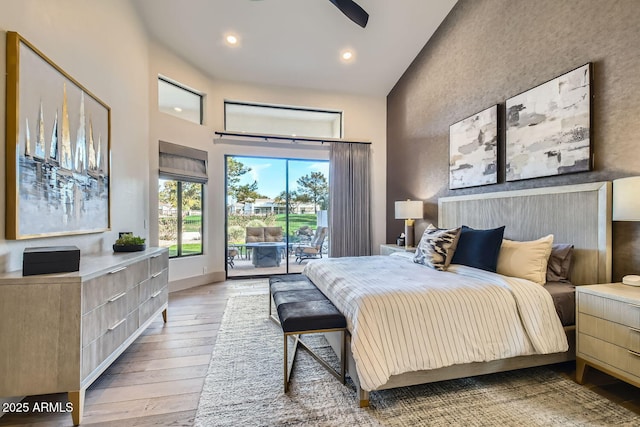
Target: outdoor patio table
(266,254)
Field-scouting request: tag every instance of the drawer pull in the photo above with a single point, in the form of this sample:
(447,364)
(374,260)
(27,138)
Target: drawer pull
(122,321)
(153,276)
(155,256)
(156,294)
(634,305)
(634,329)
(635,353)
(117,297)
(117,270)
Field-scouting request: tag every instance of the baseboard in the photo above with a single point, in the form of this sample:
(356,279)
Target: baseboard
(192,282)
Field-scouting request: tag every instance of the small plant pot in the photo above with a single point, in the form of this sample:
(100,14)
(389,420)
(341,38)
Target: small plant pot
(129,248)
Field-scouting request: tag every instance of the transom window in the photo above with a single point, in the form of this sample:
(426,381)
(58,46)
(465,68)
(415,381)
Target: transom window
(179,101)
(282,120)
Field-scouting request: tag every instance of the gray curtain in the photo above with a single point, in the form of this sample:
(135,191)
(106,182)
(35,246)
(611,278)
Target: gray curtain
(349,200)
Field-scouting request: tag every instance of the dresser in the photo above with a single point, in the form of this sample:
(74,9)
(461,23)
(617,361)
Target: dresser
(608,331)
(59,332)
(389,248)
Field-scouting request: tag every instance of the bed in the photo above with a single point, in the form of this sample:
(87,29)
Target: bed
(542,338)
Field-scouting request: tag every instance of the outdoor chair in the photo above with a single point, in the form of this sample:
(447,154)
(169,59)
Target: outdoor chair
(232,252)
(273,234)
(314,249)
(305,234)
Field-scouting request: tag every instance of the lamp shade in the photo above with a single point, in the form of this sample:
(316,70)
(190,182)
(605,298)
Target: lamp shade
(409,209)
(626,199)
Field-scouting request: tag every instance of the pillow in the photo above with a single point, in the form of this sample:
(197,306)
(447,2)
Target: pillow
(526,260)
(436,247)
(560,261)
(479,248)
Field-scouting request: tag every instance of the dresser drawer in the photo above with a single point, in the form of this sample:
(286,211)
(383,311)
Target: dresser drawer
(159,262)
(149,287)
(611,332)
(96,292)
(617,358)
(98,321)
(97,351)
(610,309)
(149,307)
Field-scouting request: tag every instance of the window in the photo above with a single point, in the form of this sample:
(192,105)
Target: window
(183,173)
(281,120)
(179,101)
(180,217)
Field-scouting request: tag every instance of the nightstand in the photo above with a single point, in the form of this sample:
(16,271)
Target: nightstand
(608,331)
(388,249)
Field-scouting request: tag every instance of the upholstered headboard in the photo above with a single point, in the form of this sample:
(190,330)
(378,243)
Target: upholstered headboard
(578,214)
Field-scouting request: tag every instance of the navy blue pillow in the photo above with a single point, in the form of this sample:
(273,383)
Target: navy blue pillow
(479,248)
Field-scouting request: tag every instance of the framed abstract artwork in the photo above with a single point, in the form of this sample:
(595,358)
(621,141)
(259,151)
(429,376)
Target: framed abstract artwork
(57,149)
(549,127)
(473,150)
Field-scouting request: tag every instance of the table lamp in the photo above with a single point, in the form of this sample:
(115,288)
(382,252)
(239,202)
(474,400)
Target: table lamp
(626,207)
(409,210)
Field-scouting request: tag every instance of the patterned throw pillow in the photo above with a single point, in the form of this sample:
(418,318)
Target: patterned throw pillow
(436,247)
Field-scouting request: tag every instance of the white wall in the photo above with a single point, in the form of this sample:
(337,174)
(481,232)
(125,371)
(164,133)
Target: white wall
(364,119)
(103,46)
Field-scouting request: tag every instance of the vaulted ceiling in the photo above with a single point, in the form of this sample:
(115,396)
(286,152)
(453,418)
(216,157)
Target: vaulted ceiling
(296,43)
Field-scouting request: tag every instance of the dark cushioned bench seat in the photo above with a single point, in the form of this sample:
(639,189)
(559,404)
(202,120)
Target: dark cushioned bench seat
(303,309)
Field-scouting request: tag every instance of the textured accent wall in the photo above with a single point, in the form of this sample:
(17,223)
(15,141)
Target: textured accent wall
(489,50)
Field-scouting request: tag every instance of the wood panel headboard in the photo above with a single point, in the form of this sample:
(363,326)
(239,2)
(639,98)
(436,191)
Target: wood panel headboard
(578,214)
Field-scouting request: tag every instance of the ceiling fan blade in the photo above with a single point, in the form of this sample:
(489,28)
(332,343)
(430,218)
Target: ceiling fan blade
(352,11)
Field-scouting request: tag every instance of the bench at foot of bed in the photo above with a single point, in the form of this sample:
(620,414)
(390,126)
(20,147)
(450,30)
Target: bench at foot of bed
(303,309)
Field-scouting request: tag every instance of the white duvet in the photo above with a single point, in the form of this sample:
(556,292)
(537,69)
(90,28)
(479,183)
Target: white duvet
(406,317)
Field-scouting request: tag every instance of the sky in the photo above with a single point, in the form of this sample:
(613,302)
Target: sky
(270,173)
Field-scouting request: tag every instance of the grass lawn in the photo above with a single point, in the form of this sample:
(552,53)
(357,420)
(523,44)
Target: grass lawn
(192,223)
(187,249)
(296,221)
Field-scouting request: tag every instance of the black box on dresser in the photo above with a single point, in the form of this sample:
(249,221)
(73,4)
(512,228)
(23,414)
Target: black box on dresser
(50,259)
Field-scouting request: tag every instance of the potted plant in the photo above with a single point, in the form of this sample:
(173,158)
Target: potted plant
(129,243)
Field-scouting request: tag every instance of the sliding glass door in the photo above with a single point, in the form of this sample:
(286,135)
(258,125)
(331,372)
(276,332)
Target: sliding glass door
(276,214)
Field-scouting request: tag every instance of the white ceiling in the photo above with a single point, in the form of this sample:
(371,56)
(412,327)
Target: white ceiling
(296,43)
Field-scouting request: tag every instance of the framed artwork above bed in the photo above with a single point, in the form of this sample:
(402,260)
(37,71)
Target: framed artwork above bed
(549,127)
(473,150)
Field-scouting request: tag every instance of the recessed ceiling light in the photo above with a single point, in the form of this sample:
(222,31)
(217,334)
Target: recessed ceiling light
(178,109)
(231,39)
(347,55)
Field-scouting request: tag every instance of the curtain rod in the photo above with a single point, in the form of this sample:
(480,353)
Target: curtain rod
(267,137)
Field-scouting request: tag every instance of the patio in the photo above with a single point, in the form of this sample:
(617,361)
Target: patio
(243,266)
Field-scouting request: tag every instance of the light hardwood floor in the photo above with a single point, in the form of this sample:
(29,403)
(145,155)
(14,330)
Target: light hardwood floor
(158,380)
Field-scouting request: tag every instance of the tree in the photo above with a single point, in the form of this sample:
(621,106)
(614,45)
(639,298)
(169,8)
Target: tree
(295,199)
(281,199)
(241,193)
(315,187)
(246,193)
(191,195)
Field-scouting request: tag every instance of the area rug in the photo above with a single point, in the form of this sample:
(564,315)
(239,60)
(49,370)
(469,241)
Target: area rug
(244,387)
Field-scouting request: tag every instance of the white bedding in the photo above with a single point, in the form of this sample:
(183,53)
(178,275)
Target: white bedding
(406,317)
